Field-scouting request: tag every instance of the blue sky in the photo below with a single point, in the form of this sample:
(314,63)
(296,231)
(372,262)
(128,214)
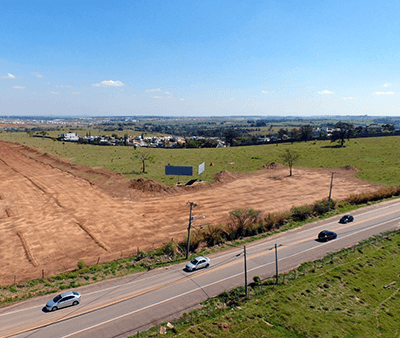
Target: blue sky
(199,58)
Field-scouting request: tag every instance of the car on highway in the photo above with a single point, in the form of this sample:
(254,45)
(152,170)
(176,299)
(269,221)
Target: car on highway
(326,235)
(346,219)
(198,263)
(64,299)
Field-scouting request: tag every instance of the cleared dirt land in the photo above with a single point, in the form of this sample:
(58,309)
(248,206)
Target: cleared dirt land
(53,214)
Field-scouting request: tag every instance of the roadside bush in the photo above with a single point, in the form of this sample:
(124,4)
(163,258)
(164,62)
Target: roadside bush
(196,239)
(257,280)
(323,206)
(280,219)
(81,265)
(171,248)
(213,235)
(269,223)
(243,219)
(301,213)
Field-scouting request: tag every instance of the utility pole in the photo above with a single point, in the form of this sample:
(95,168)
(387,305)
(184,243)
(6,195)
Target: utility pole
(245,271)
(276,264)
(330,192)
(192,204)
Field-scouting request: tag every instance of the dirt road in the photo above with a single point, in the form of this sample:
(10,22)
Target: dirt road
(53,214)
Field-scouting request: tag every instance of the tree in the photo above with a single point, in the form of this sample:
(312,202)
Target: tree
(282,133)
(144,156)
(230,135)
(388,127)
(306,132)
(342,131)
(289,157)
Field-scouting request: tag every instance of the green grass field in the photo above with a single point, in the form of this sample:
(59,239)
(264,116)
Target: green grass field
(354,293)
(377,158)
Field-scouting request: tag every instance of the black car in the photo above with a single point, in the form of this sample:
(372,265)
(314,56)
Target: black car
(346,219)
(326,235)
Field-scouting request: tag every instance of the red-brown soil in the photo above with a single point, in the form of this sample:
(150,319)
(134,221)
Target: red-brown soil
(53,213)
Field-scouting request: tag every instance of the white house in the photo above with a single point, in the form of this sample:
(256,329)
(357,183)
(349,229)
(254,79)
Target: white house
(73,137)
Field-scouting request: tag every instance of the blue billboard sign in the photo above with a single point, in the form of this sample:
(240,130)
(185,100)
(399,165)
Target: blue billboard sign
(178,170)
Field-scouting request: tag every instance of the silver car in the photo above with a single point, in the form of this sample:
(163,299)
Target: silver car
(63,300)
(198,263)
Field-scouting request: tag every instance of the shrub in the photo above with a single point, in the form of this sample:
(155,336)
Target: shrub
(171,248)
(323,206)
(81,264)
(243,219)
(224,296)
(213,235)
(301,213)
(280,219)
(257,280)
(269,223)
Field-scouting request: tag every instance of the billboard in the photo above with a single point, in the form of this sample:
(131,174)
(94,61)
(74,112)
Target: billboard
(201,168)
(178,170)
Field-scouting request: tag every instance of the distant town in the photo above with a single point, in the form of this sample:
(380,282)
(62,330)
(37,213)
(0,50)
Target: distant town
(199,132)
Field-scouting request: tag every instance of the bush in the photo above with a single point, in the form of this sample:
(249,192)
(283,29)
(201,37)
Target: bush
(280,219)
(322,207)
(81,264)
(213,235)
(242,219)
(257,280)
(301,213)
(171,248)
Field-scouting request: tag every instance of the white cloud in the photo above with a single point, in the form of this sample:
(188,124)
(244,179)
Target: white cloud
(181,99)
(325,92)
(383,93)
(37,74)
(348,98)
(157,97)
(109,83)
(75,93)
(157,90)
(387,84)
(232,99)
(154,90)
(19,87)
(8,76)
(64,86)
(54,93)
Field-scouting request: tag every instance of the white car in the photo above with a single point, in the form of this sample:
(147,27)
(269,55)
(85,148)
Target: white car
(198,263)
(63,300)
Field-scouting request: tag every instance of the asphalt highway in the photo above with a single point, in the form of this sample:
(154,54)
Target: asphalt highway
(124,306)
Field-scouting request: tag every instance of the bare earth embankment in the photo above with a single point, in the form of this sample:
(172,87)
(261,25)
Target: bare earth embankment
(53,214)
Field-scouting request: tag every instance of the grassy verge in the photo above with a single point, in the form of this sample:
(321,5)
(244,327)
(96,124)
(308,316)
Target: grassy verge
(378,159)
(350,293)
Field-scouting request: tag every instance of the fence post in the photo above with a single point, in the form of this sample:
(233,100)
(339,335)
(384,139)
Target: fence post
(42,273)
(295,274)
(15,279)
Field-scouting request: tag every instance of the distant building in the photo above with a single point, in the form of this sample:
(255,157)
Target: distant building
(72,137)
